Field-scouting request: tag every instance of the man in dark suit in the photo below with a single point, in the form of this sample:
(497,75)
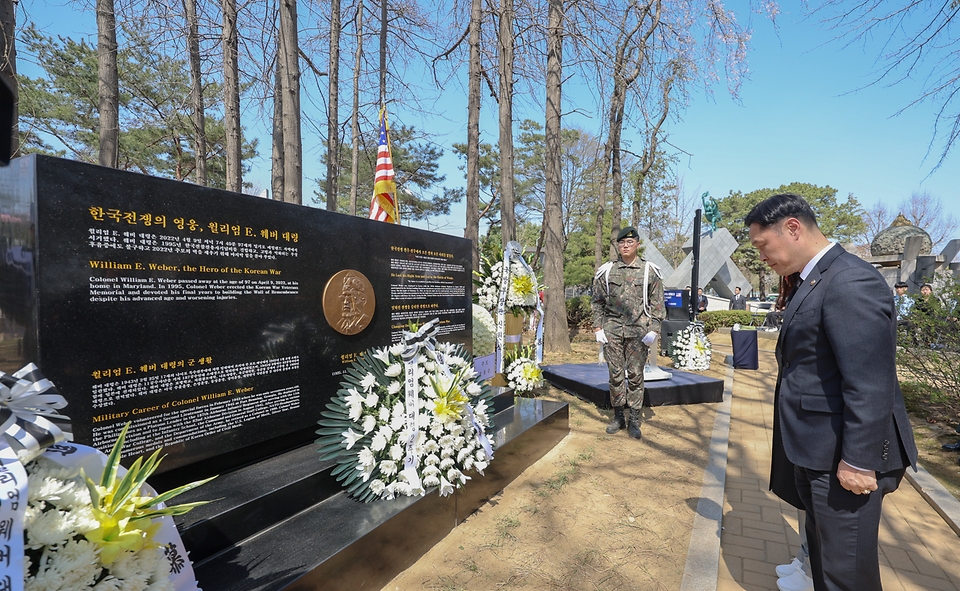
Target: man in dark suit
(738,302)
(701,301)
(839,417)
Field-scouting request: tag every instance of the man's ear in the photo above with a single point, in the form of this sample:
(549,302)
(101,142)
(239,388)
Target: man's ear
(793,227)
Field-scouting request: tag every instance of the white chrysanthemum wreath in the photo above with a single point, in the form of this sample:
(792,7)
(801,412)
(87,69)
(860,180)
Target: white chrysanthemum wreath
(484,332)
(521,370)
(382,449)
(100,535)
(691,349)
(522,292)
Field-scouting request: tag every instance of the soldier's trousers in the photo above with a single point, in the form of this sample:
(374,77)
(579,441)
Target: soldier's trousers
(625,360)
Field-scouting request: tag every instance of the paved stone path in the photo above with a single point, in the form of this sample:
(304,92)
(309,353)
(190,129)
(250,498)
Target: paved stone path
(919,547)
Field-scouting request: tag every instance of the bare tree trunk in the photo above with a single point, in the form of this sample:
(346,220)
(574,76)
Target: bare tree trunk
(616,175)
(108,86)
(507,218)
(292,156)
(556,337)
(472,230)
(231,97)
(276,172)
(355,127)
(383,56)
(333,115)
(196,91)
(8,65)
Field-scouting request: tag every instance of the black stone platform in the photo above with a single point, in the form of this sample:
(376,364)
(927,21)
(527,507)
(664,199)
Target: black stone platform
(590,381)
(284,523)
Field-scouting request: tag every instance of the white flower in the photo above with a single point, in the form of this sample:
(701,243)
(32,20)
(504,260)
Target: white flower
(369,423)
(398,418)
(431,446)
(431,459)
(365,457)
(377,486)
(388,467)
(379,442)
(446,488)
(397,350)
(396,452)
(384,414)
(382,355)
(394,388)
(431,480)
(350,437)
(480,466)
(386,431)
(368,382)
(446,441)
(372,400)
(428,470)
(473,389)
(394,370)
(455,475)
(447,463)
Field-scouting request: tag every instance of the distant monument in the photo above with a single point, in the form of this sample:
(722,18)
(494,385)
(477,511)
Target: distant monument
(903,252)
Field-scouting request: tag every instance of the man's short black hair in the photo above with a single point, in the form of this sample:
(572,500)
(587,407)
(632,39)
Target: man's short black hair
(900,284)
(927,285)
(737,288)
(779,207)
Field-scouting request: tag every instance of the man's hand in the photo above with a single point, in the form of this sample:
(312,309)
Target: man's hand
(859,482)
(601,337)
(649,338)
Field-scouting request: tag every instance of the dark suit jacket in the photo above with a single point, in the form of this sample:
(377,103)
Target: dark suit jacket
(837,390)
(738,302)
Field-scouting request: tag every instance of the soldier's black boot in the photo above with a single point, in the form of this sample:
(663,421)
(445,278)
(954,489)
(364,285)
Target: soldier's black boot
(633,426)
(618,422)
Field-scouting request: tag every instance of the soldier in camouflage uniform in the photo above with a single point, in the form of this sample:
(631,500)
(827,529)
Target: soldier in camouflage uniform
(627,311)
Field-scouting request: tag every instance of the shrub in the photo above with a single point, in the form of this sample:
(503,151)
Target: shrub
(718,318)
(579,314)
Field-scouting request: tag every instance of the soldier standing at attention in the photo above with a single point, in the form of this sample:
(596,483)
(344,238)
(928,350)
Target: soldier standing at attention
(627,311)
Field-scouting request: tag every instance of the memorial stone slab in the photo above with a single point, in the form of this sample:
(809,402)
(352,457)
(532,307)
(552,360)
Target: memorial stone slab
(218,324)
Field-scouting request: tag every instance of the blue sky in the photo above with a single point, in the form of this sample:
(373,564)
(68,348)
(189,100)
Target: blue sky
(800,117)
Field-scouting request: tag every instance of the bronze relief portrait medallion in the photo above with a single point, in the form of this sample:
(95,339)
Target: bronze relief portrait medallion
(349,302)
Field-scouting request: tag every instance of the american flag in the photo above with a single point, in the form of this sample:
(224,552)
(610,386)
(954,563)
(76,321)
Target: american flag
(383,206)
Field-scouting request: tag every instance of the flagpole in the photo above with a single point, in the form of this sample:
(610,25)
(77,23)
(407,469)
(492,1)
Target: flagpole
(386,124)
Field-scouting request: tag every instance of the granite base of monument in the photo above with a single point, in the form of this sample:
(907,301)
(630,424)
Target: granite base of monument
(284,522)
(590,381)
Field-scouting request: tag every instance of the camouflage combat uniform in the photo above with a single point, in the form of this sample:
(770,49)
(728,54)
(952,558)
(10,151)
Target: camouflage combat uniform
(618,309)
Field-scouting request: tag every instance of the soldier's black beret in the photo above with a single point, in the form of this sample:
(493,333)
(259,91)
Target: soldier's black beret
(628,232)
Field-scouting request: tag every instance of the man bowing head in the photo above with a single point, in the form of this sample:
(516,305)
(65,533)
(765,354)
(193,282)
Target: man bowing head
(840,418)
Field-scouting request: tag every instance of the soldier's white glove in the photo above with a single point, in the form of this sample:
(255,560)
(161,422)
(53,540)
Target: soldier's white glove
(601,336)
(649,338)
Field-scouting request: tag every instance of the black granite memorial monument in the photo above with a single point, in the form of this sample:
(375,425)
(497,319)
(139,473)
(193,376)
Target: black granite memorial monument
(216,323)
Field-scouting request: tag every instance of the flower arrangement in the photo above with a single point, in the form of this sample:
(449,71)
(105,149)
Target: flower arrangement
(389,440)
(103,535)
(522,292)
(691,349)
(521,371)
(484,332)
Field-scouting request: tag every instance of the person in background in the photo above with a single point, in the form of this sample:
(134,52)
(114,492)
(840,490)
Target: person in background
(839,414)
(701,301)
(902,301)
(927,303)
(628,308)
(738,302)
